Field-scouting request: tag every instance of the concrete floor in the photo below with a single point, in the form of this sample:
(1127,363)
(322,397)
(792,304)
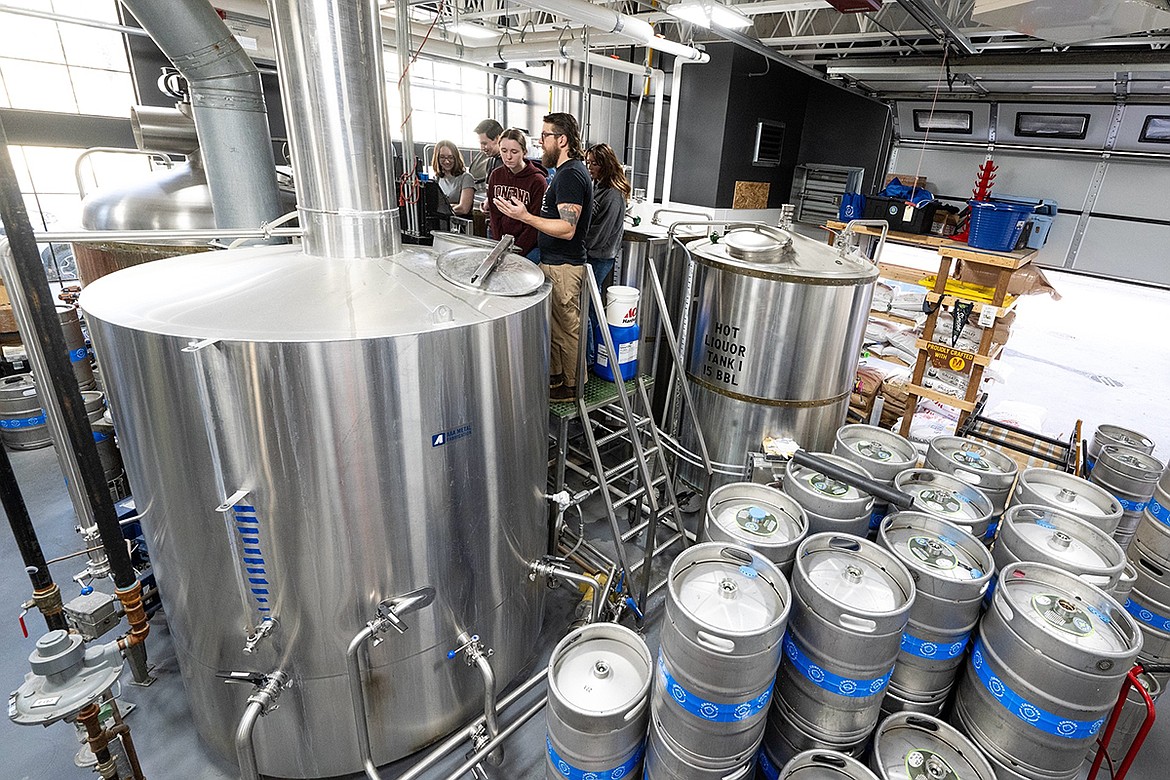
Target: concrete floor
(1058,353)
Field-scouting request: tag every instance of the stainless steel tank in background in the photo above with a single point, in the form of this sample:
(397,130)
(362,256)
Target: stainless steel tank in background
(309,436)
(773,343)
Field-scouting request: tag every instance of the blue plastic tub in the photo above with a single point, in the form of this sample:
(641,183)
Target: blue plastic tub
(996,226)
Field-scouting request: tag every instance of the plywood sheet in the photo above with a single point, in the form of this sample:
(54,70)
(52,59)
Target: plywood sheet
(751,195)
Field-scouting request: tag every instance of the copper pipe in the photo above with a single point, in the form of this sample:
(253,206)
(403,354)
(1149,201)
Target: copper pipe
(122,731)
(131,599)
(99,741)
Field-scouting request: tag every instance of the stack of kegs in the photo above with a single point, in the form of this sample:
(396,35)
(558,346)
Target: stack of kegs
(1045,672)
(22,421)
(908,746)
(759,517)
(1031,532)
(75,344)
(1069,493)
(947,498)
(829,504)
(726,611)
(598,703)
(851,603)
(1149,599)
(952,571)
(984,467)
(1130,475)
(1116,435)
(884,454)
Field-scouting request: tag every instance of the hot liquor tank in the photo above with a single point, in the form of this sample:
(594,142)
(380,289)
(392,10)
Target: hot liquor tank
(776,334)
(308,436)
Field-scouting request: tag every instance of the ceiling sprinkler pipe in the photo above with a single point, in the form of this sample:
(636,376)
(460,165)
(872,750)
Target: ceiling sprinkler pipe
(609,21)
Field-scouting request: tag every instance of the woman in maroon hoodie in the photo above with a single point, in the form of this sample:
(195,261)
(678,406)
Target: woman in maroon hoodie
(519,179)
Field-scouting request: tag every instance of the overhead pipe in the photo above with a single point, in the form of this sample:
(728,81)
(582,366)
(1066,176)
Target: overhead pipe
(330,60)
(228,102)
(406,130)
(608,20)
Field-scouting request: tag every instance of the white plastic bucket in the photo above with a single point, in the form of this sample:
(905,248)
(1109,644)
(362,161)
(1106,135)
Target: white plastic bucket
(621,306)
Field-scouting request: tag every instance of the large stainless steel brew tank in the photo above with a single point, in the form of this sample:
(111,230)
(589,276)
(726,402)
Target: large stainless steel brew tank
(773,345)
(387,429)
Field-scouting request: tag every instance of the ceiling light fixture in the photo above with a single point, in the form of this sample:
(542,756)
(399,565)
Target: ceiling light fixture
(706,13)
(468,30)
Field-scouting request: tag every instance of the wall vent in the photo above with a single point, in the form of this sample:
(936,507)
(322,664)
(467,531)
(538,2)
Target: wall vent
(769,143)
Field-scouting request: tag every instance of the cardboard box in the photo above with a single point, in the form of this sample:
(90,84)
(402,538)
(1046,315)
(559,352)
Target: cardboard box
(908,179)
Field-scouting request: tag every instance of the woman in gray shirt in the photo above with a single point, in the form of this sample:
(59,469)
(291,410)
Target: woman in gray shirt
(611,191)
(456,183)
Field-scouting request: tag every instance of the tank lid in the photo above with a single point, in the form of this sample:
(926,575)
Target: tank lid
(279,294)
(1070,493)
(513,275)
(771,253)
(1067,609)
(909,746)
(757,514)
(728,595)
(599,669)
(854,578)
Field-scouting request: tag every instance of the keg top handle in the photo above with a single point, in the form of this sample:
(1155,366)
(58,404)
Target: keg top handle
(841,474)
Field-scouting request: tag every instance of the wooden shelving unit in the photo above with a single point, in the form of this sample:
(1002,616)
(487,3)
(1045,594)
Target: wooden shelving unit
(1003,264)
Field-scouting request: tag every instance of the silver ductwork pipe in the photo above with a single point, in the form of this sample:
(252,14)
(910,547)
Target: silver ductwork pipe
(163,129)
(608,20)
(228,106)
(330,60)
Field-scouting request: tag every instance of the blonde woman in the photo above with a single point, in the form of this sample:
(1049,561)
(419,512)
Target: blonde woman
(456,183)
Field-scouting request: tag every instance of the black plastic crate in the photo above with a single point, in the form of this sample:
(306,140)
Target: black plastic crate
(901,215)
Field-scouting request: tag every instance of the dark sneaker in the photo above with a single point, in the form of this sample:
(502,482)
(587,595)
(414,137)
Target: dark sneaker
(562,393)
(556,380)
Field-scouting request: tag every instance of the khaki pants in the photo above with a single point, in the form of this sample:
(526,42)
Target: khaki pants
(566,318)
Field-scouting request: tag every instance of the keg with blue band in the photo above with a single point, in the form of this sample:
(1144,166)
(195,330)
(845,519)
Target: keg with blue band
(23,422)
(78,355)
(934,651)
(770,770)
(567,770)
(1148,617)
(876,517)
(1131,506)
(842,686)
(709,710)
(1158,512)
(1023,709)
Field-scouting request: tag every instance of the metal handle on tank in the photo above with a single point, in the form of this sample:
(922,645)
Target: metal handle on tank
(841,474)
(850,229)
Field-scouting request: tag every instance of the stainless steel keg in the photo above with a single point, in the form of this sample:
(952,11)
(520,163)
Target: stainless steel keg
(75,344)
(1149,604)
(984,467)
(1130,475)
(1070,493)
(22,420)
(667,760)
(830,505)
(759,517)
(1116,435)
(948,498)
(95,409)
(726,611)
(851,602)
(952,571)
(907,746)
(1125,582)
(818,765)
(1032,532)
(884,454)
(1045,672)
(1154,529)
(599,680)
(784,738)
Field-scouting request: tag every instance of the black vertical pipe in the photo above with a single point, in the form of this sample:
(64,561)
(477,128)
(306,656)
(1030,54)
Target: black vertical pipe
(31,279)
(26,536)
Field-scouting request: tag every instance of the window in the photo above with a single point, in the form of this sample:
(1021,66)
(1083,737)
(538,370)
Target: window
(1156,130)
(769,143)
(942,121)
(1074,126)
